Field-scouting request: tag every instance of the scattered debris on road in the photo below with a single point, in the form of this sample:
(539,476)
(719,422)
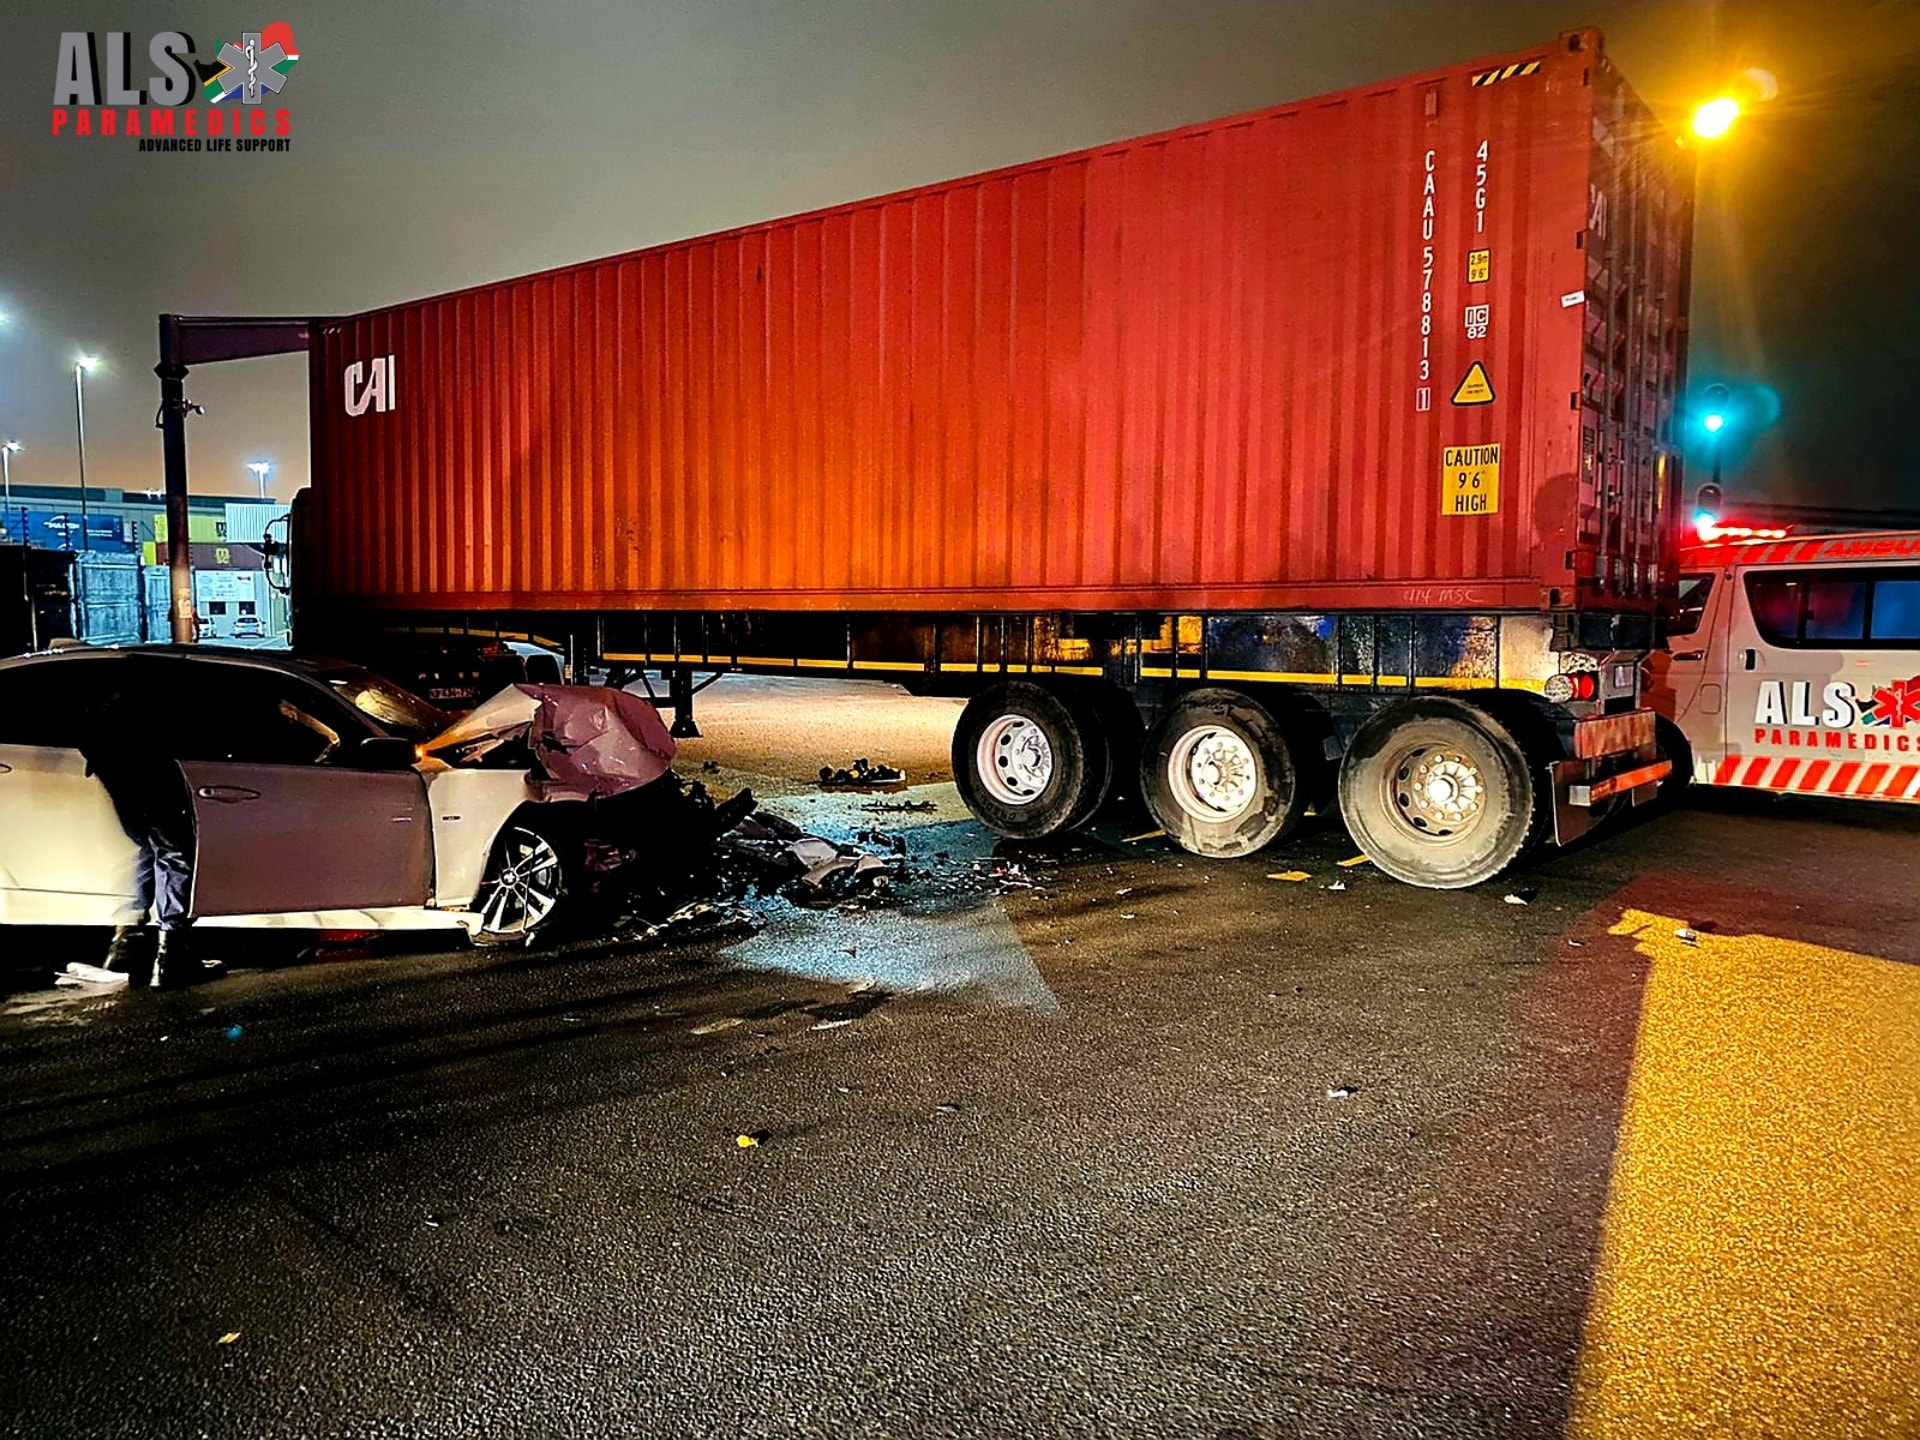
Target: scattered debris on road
(1517,897)
(1342,1092)
(864,775)
(1145,835)
(1352,861)
(1294,876)
(752,1139)
(1686,936)
(900,807)
(1336,885)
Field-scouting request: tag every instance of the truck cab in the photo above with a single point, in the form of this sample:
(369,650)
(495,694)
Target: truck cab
(1793,665)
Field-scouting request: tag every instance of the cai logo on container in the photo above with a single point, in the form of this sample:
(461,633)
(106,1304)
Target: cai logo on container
(101,91)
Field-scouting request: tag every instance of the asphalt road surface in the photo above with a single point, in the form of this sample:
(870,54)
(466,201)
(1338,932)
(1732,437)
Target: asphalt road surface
(1158,1147)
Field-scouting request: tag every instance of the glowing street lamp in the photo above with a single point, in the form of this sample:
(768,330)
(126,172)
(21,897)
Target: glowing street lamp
(7,452)
(1715,118)
(260,469)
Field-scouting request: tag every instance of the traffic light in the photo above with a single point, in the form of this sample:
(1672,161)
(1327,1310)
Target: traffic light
(1706,511)
(1713,415)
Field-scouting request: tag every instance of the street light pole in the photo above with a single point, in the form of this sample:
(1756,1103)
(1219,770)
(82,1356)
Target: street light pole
(82,367)
(260,469)
(6,480)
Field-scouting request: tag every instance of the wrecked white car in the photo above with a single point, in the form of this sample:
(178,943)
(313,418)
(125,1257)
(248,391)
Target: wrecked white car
(322,796)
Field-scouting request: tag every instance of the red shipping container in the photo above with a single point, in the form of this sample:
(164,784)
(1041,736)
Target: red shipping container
(1413,345)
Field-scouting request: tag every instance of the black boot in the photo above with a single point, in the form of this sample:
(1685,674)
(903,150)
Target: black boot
(172,964)
(127,951)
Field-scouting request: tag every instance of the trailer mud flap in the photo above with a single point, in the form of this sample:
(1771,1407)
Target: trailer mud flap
(1581,798)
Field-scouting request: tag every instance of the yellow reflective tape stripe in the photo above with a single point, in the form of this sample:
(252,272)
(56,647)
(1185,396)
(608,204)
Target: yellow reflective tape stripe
(1294,677)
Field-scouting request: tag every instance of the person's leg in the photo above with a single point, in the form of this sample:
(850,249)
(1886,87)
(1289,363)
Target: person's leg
(172,901)
(124,949)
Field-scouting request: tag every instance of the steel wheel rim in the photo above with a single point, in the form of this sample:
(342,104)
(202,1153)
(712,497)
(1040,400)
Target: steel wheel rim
(1014,760)
(1436,792)
(526,884)
(1213,774)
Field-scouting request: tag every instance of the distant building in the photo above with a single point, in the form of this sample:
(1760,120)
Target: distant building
(120,582)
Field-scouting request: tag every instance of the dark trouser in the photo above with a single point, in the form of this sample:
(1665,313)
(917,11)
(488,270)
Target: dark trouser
(158,821)
(163,875)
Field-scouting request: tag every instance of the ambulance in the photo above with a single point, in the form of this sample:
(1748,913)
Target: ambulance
(1793,664)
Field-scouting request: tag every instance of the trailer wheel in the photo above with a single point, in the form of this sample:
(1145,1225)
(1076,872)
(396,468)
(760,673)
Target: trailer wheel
(1219,775)
(1027,763)
(1439,794)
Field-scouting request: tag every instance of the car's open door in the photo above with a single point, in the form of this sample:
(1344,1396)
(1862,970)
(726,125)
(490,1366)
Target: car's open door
(273,839)
(293,812)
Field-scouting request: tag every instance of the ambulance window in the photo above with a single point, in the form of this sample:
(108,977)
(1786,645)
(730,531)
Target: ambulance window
(1836,610)
(1896,610)
(1694,590)
(1775,602)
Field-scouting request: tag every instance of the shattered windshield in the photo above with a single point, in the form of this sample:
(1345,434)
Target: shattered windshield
(398,710)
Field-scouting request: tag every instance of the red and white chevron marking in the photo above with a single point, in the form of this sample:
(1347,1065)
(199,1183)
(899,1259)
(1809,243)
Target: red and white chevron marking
(1860,779)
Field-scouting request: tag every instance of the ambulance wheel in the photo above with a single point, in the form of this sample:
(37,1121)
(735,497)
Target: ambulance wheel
(1438,794)
(1027,762)
(1672,743)
(1219,775)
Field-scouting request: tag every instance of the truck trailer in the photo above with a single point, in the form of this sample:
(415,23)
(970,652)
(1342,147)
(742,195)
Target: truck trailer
(1322,455)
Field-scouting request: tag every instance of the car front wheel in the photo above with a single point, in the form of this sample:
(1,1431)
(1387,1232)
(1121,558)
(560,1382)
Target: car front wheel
(526,886)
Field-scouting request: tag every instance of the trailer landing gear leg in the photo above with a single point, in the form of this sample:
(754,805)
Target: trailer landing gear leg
(680,697)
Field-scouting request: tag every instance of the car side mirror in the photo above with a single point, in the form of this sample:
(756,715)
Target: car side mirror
(382,752)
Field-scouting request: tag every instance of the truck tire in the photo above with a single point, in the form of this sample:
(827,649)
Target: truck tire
(1219,775)
(1027,762)
(1438,793)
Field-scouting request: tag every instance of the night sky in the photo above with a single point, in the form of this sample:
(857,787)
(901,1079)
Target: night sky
(440,146)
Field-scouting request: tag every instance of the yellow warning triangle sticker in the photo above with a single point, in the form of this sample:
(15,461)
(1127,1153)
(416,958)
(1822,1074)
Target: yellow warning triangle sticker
(1476,389)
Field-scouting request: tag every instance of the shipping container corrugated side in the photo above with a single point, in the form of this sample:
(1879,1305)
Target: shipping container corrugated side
(1217,368)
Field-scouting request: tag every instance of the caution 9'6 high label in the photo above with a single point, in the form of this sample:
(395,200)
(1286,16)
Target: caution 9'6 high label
(1470,480)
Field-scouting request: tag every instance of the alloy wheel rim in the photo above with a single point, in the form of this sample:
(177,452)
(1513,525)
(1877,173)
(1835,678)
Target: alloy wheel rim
(525,886)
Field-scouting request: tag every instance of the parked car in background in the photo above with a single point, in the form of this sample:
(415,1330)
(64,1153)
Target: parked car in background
(1793,665)
(249,627)
(323,795)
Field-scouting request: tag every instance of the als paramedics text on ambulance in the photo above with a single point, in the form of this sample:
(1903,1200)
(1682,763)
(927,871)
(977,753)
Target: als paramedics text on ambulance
(1793,665)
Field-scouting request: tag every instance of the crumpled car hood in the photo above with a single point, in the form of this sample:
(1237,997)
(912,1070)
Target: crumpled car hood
(586,738)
